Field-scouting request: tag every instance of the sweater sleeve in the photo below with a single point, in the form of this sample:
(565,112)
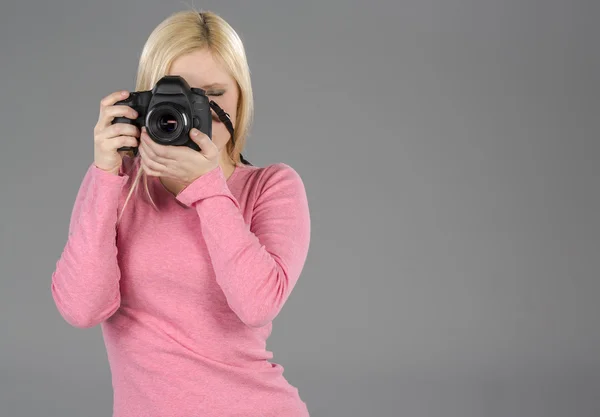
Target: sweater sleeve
(257,266)
(85,282)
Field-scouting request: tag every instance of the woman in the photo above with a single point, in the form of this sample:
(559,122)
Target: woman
(186,276)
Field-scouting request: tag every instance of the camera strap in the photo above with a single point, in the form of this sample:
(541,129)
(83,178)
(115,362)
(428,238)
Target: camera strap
(226,120)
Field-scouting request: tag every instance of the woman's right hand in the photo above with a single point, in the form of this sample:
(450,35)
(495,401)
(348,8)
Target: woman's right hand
(110,137)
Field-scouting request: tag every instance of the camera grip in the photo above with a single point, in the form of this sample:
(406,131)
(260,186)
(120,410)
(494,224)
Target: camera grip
(127,121)
(126,102)
(138,101)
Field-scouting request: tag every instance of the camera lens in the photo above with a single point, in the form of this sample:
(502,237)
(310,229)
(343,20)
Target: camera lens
(167,123)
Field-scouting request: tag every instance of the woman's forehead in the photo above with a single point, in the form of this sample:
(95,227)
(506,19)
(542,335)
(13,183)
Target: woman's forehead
(200,69)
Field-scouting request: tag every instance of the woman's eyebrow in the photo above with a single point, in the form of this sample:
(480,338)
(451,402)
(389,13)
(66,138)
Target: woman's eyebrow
(213,86)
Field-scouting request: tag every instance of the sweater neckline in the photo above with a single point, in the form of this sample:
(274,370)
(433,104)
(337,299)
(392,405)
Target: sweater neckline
(236,170)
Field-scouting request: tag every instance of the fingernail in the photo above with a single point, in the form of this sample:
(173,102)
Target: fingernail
(195,132)
(124,93)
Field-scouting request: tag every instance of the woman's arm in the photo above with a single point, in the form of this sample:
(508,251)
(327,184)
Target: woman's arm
(85,283)
(257,266)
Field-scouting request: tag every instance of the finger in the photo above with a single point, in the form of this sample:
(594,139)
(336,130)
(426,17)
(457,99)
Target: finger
(161,153)
(110,113)
(150,171)
(151,163)
(112,98)
(107,114)
(118,129)
(118,142)
(207,146)
(144,164)
(146,144)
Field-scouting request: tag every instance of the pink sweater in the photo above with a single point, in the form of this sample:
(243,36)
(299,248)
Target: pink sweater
(185,295)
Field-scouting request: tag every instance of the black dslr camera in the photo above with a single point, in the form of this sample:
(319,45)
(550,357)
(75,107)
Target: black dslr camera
(169,111)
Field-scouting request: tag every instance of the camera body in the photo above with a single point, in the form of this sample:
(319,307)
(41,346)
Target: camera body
(169,111)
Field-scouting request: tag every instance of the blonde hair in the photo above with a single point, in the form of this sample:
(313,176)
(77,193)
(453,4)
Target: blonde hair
(182,33)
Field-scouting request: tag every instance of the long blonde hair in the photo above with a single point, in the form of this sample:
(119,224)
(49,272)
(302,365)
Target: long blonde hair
(184,32)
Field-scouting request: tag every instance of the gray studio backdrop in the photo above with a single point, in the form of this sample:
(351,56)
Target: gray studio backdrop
(450,153)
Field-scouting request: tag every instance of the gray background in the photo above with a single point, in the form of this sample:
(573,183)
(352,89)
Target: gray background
(450,153)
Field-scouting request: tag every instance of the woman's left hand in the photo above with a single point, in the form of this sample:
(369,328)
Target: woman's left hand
(179,163)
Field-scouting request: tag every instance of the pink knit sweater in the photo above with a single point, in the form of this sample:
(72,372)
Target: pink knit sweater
(185,295)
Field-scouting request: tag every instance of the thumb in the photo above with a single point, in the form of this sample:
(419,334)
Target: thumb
(203,141)
(197,136)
